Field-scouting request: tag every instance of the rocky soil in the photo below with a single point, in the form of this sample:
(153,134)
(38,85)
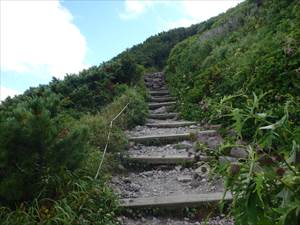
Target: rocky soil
(182,148)
(218,220)
(169,180)
(159,182)
(146,131)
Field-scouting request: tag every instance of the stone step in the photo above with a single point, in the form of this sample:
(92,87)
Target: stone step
(185,200)
(155,86)
(156,105)
(162,116)
(162,99)
(162,159)
(171,124)
(162,88)
(159,93)
(160,139)
(155,79)
(157,89)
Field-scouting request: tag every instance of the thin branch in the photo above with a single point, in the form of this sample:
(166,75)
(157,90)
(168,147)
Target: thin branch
(108,138)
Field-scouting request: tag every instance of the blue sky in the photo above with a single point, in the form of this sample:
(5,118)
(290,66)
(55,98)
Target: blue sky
(42,39)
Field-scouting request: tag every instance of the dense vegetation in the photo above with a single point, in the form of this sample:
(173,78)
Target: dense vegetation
(64,194)
(153,53)
(240,69)
(244,72)
(52,137)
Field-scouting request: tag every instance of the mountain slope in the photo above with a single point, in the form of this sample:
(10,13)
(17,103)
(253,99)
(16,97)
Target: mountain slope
(249,49)
(240,69)
(244,73)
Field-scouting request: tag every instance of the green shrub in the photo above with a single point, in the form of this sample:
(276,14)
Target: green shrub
(88,201)
(243,72)
(99,124)
(35,145)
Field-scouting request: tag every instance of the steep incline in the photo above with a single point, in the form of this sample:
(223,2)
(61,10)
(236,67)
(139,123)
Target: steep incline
(166,170)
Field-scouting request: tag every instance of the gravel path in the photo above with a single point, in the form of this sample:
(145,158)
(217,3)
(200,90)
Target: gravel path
(183,148)
(176,181)
(165,121)
(145,131)
(170,181)
(168,221)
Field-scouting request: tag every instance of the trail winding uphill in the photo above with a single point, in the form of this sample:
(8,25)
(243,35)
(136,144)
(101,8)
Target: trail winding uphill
(167,175)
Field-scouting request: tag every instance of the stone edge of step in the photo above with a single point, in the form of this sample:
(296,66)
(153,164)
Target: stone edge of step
(176,200)
(171,124)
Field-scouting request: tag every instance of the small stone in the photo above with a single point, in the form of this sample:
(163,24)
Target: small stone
(127,180)
(186,170)
(121,167)
(184,179)
(135,187)
(202,170)
(178,168)
(191,151)
(162,109)
(148,173)
(239,153)
(196,182)
(213,188)
(226,159)
(139,128)
(120,220)
(199,163)
(135,147)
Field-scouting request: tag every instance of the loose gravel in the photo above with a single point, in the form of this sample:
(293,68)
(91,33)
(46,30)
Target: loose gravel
(152,183)
(169,181)
(165,121)
(183,148)
(167,221)
(145,131)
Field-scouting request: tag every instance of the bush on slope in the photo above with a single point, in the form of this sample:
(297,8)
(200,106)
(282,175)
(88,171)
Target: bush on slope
(244,72)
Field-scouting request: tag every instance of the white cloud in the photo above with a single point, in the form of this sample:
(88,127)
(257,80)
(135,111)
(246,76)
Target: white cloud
(189,11)
(183,22)
(40,36)
(197,11)
(5,92)
(134,8)
(203,10)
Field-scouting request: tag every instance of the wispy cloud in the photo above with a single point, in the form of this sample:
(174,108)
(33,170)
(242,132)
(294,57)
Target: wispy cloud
(134,8)
(39,36)
(5,92)
(193,12)
(188,12)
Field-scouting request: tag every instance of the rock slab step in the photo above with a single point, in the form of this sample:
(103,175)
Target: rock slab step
(160,139)
(175,201)
(171,124)
(156,105)
(164,159)
(159,93)
(163,116)
(162,99)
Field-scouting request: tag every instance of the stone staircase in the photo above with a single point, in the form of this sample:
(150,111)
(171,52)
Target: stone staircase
(169,173)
